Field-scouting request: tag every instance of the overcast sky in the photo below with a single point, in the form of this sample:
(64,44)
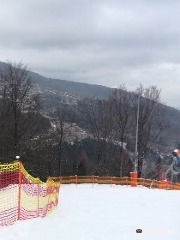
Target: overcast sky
(106,42)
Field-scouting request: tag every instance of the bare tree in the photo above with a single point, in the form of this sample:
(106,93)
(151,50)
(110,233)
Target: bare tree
(121,118)
(98,115)
(59,133)
(150,120)
(21,104)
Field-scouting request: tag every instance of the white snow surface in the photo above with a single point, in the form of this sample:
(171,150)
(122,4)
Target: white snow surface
(104,212)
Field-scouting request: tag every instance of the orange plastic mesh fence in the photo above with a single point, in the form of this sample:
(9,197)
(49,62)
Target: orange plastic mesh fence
(95,179)
(149,183)
(23,196)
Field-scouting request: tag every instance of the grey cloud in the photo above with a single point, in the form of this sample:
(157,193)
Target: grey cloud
(95,41)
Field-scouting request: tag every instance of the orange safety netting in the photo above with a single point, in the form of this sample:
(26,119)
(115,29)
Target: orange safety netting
(23,196)
(127,181)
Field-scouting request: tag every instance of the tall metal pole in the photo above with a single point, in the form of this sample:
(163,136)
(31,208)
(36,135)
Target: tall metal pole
(137,130)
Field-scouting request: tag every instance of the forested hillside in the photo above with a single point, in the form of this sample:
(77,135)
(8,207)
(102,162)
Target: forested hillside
(61,127)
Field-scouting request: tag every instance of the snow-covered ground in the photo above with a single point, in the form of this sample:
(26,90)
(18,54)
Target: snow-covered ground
(104,212)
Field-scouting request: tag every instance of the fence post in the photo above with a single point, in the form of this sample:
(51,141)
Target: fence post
(19,190)
(76,179)
(133,179)
(92,181)
(177,186)
(163,184)
(38,190)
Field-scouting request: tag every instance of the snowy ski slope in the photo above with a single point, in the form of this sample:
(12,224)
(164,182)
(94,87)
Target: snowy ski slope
(104,212)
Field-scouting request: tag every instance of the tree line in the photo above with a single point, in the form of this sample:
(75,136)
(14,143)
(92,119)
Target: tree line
(48,138)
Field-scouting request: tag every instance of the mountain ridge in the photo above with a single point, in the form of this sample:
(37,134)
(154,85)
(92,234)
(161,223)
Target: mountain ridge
(83,90)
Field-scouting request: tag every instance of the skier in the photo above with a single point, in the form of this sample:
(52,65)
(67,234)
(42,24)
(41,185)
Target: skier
(176,159)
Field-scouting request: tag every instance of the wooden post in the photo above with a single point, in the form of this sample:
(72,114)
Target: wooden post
(76,179)
(19,190)
(38,199)
(92,181)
